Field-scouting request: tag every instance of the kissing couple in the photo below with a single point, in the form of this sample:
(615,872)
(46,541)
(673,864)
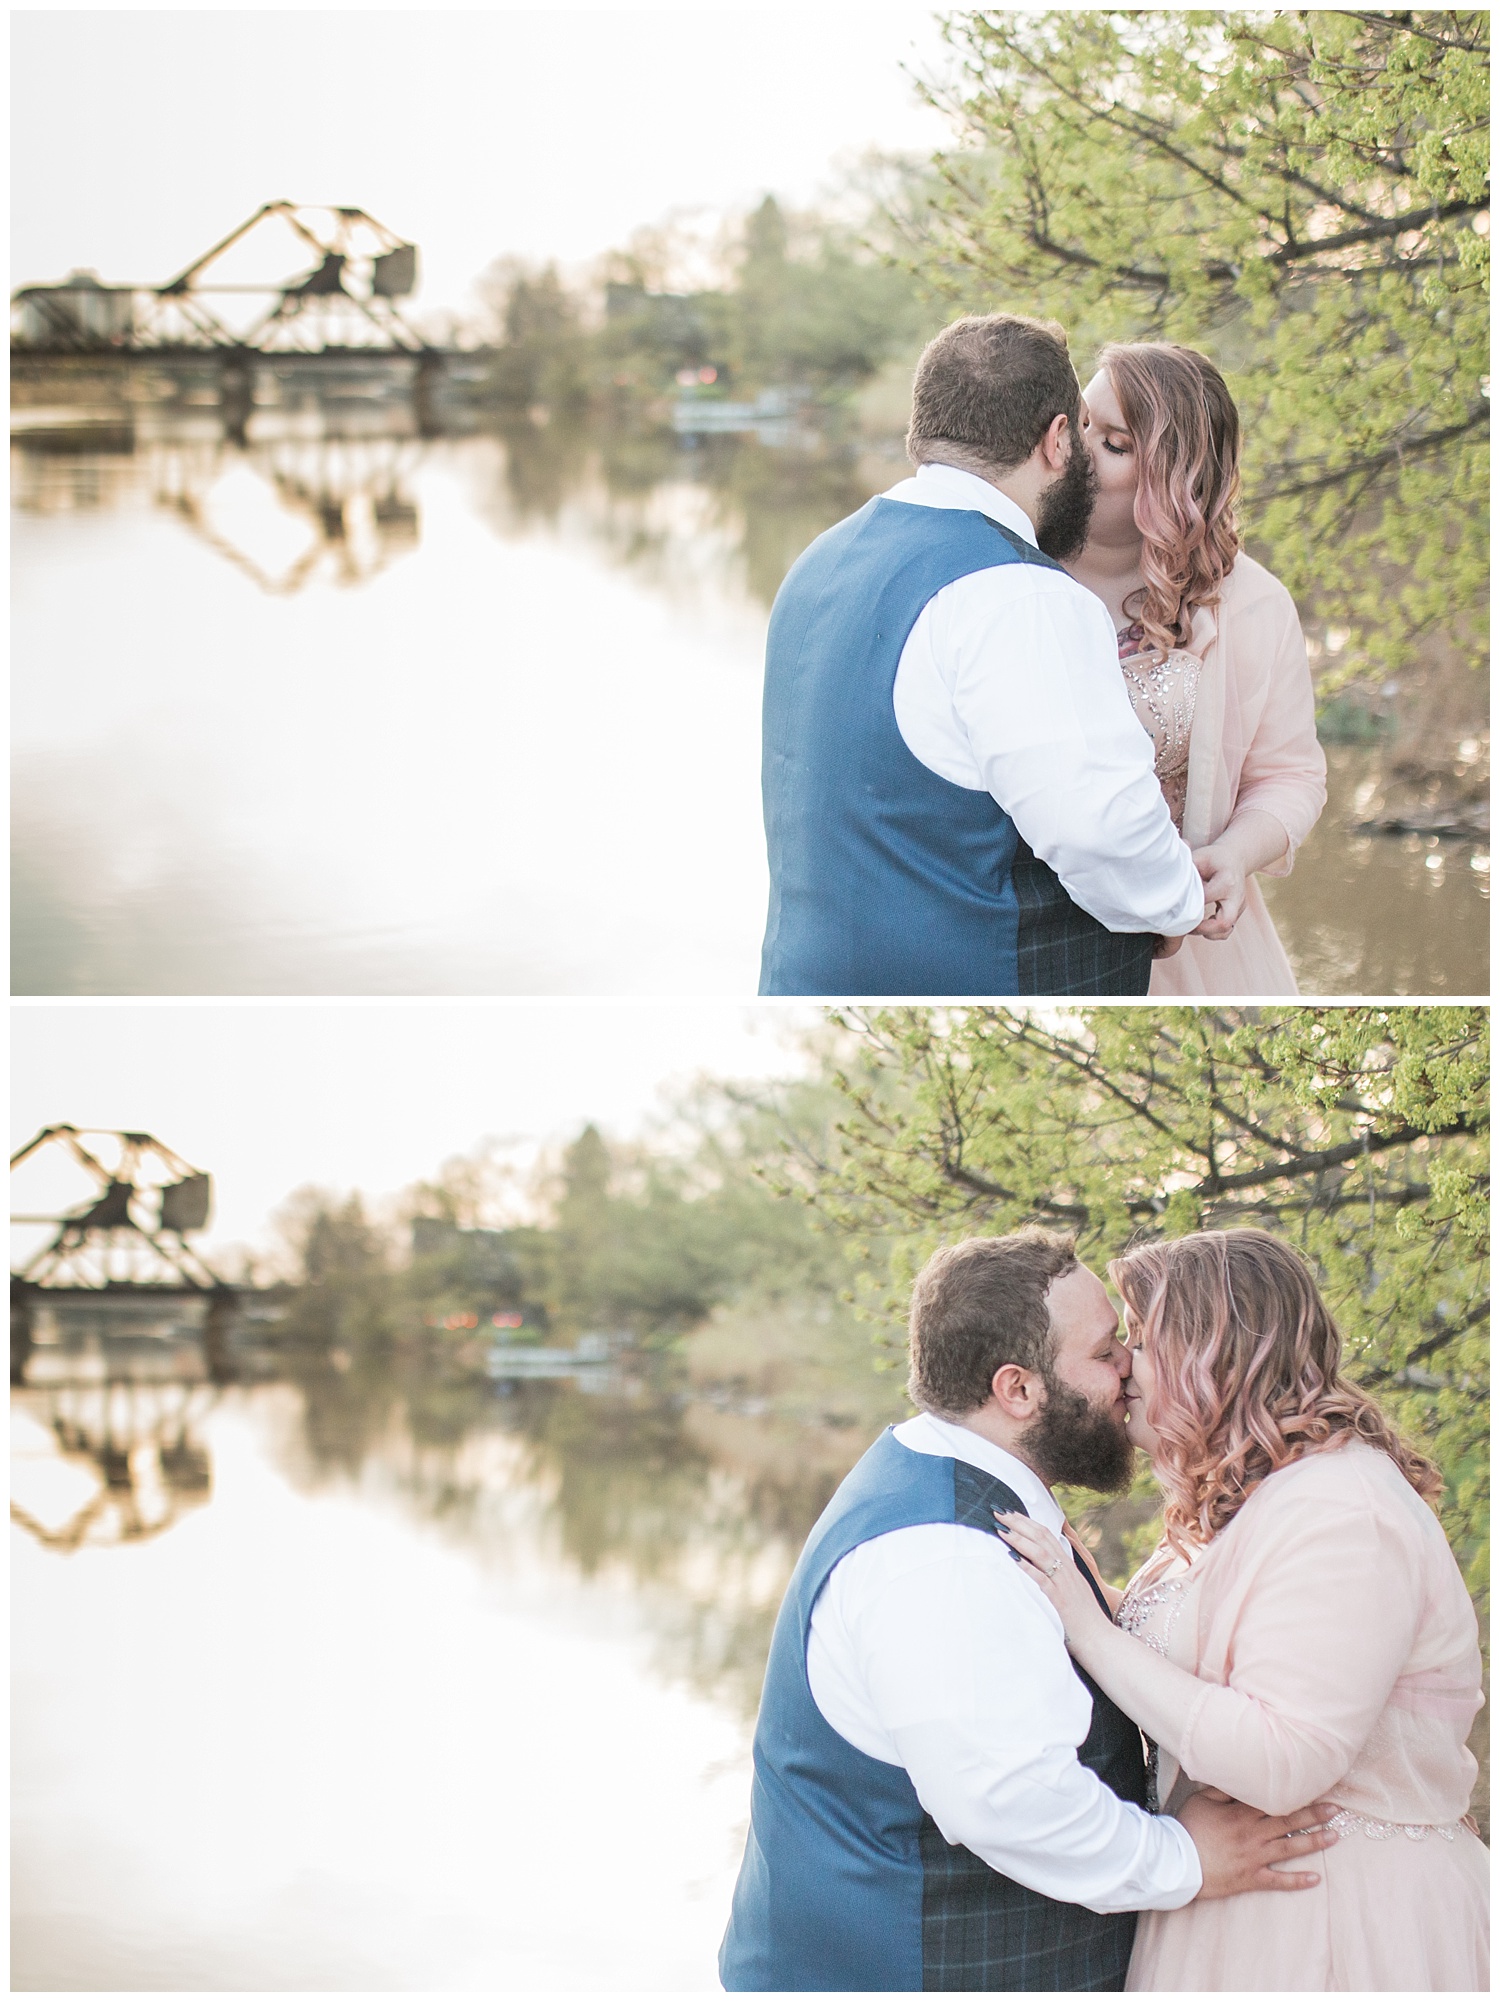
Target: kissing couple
(979,1767)
(1033,720)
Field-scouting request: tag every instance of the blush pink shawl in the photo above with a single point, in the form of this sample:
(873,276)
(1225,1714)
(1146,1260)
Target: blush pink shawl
(1255,744)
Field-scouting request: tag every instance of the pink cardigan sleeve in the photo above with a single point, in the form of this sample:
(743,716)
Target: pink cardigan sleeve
(1284,771)
(1310,1632)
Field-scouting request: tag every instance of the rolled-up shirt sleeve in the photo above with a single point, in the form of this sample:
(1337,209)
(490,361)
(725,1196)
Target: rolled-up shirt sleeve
(1033,673)
(965,1681)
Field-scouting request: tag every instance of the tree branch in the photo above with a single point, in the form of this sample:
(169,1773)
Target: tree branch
(1333,1157)
(1373,232)
(1377,462)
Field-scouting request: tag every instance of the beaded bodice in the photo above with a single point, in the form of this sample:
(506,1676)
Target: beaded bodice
(1149,1612)
(1163,691)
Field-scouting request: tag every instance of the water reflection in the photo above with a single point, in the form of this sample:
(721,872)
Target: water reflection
(129,1461)
(1382,914)
(435,1692)
(699,1518)
(430,1682)
(346,709)
(288,512)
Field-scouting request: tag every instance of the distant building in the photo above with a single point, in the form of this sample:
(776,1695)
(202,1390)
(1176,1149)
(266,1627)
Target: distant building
(79,313)
(482,1257)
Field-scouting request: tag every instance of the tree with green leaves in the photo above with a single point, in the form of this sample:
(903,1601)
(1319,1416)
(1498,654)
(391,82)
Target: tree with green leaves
(540,357)
(1359,1134)
(651,1239)
(810,309)
(1304,195)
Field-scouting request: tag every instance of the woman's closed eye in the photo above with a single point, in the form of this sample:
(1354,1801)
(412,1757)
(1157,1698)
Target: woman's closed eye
(1119,450)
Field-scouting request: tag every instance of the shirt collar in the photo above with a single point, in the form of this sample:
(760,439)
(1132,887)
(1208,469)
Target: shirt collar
(957,1442)
(950,486)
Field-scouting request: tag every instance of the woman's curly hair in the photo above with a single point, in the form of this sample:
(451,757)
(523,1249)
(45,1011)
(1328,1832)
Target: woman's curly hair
(1246,1359)
(1186,433)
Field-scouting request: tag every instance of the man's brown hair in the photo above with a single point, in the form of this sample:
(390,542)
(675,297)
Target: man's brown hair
(987,388)
(977,1306)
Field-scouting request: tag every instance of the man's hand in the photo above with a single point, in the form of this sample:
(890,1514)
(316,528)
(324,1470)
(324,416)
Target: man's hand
(1238,1845)
(1166,947)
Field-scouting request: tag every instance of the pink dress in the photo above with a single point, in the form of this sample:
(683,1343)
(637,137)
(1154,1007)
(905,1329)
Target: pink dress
(1248,702)
(1338,1657)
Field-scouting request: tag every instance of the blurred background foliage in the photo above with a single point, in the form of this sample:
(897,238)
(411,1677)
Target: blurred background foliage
(800,301)
(758,1248)
(1302,193)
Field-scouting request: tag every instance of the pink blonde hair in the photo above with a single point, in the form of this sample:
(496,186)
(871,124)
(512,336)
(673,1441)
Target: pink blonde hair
(1186,432)
(1246,1357)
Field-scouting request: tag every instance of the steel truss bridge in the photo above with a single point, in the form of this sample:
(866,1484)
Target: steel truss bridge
(113,1275)
(339,297)
(125,1245)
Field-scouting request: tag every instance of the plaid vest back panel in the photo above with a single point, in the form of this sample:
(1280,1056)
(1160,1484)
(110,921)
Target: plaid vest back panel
(847,1883)
(885,878)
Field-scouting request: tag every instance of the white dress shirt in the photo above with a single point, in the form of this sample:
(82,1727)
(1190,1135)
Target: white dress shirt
(929,1649)
(1010,683)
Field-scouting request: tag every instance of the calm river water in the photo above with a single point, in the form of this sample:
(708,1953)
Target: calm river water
(362,1691)
(346,711)
(388,1677)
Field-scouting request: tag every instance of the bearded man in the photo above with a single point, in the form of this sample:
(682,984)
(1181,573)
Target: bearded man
(958,796)
(942,1799)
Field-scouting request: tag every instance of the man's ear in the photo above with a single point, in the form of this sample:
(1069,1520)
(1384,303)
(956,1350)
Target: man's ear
(1054,446)
(1017,1392)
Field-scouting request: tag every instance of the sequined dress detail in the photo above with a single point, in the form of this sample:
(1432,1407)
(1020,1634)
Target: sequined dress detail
(1148,1614)
(1163,691)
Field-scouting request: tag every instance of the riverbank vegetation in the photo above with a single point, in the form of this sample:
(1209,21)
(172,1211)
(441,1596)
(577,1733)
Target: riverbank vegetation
(798,303)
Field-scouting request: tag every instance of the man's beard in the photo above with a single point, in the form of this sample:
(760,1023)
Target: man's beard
(1074,1443)
(1062,523)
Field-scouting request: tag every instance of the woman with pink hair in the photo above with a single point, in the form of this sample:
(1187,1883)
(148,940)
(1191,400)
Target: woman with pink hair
(1301,1632)
(1211,650)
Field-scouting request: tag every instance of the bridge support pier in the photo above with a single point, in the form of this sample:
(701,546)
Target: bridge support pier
(22,1334)
(426,390)
(236,395)
(217,1322)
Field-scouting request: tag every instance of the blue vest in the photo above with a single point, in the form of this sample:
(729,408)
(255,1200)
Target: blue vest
(847,1884)
(885,878)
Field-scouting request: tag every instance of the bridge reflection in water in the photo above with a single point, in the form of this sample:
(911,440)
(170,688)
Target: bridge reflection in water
(126,1456)
(295,473)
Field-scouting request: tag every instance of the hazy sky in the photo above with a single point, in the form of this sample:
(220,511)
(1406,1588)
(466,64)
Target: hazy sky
(142,138)
(371,1095)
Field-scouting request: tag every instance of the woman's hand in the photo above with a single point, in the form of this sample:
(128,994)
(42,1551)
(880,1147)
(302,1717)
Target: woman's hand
(1048,1560)
(1252,840)
(1224,886)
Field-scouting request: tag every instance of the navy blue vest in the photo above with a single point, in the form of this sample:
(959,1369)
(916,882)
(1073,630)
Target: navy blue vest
(886,878)
(847,1884)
